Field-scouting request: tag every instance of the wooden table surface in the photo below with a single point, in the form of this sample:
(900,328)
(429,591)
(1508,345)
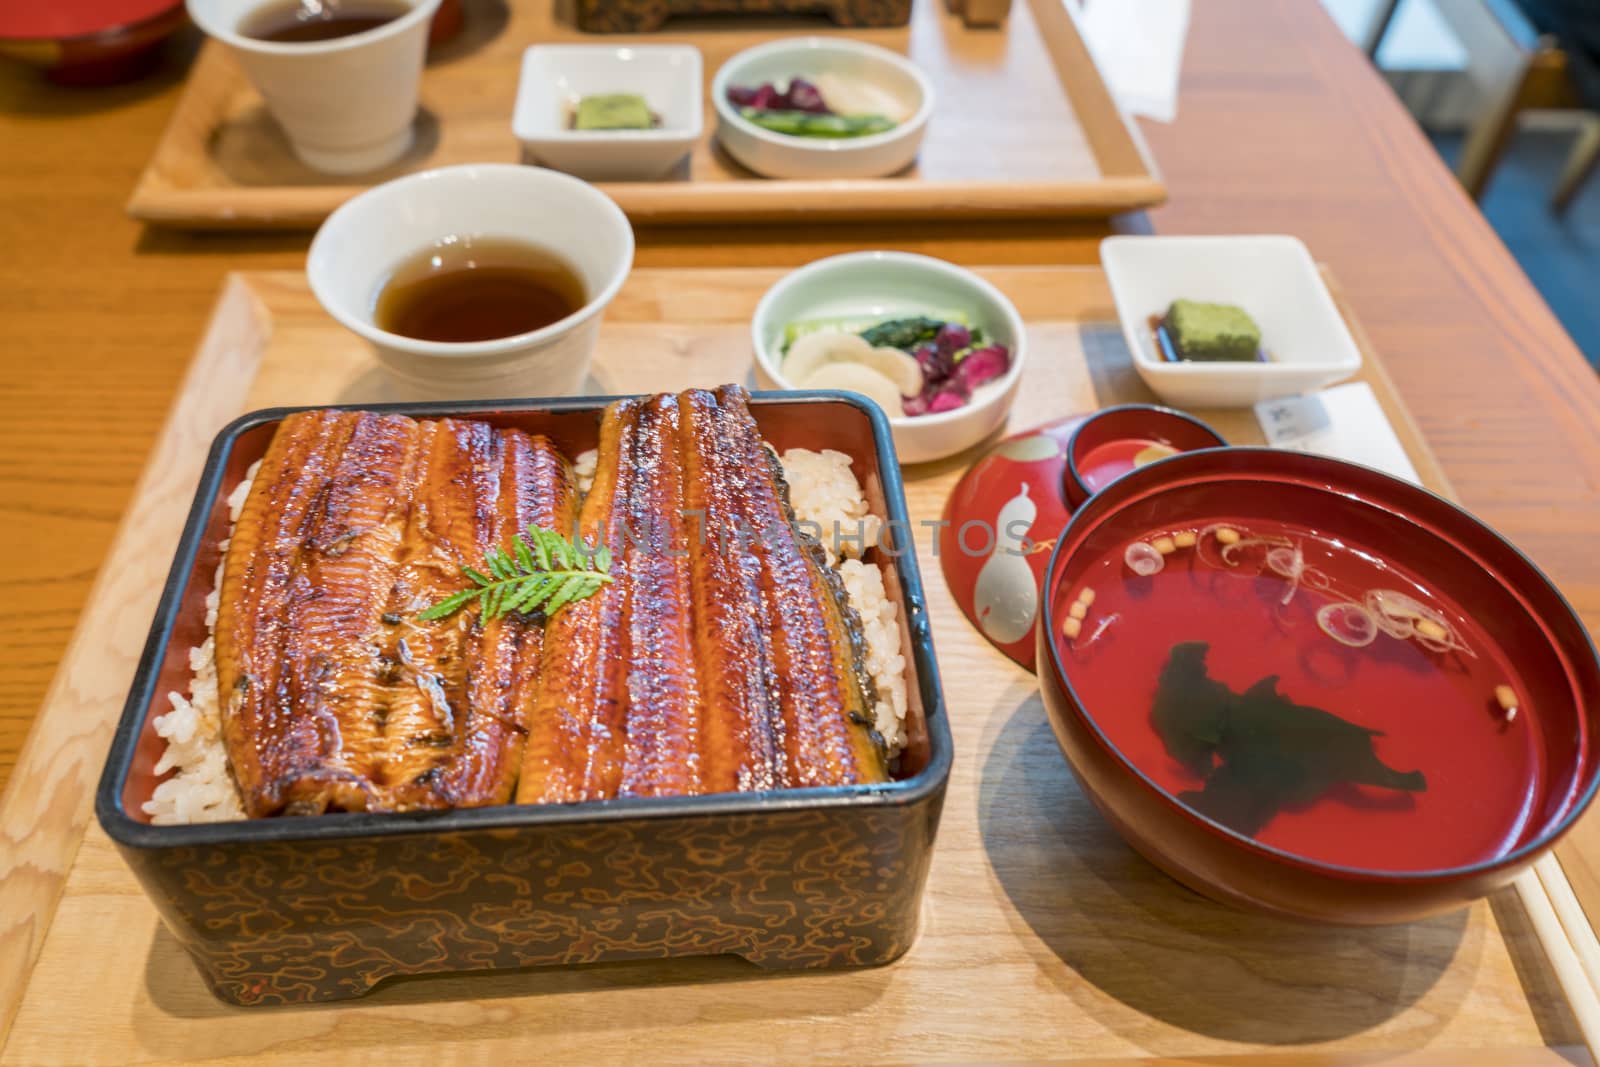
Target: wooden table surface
(1294,133)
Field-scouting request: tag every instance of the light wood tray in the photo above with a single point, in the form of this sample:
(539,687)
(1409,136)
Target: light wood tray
(1044,937)
(1023,125)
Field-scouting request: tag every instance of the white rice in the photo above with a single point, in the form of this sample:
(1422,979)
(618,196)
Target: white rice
(823,491)
(203,789)
(864,584)
(583,467)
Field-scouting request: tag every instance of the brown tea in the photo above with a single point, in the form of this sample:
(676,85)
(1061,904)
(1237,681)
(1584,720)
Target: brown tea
(478,289)
(300,21)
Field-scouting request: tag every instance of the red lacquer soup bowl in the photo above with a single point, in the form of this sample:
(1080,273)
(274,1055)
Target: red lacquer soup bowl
(88,42)
(1304,687)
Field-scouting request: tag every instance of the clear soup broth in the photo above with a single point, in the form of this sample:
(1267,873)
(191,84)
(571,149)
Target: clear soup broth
(1306,693)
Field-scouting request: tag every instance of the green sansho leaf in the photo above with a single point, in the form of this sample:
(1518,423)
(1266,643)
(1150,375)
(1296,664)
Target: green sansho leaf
(540,549)
(543,571)
(524,556)
(498,565)
(449,604)
(573,588)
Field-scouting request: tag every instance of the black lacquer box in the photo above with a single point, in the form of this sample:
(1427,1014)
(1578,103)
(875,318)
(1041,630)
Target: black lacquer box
(290,910)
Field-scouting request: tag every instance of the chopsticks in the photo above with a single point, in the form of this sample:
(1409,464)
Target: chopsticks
(1569,942)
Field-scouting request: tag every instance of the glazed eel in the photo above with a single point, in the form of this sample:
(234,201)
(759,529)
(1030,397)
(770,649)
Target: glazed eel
(725,655)
(334,696)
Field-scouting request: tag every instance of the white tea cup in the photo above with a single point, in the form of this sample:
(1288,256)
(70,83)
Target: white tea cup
(361,244)
(347,104)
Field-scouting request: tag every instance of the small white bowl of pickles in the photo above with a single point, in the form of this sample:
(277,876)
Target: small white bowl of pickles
(821,108)
(934,345)
(609,112)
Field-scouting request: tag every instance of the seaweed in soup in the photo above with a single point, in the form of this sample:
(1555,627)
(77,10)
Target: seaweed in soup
(1258,752)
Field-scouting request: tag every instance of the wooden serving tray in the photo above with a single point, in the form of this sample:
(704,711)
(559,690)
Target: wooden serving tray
(1044,937)
(1023,126)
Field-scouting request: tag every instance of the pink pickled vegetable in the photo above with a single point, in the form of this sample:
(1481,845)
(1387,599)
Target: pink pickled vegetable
(764,97)
(801,95)
(982,365)
(804,96)
(951,370)
(952,338)
(936,364)
(946,396)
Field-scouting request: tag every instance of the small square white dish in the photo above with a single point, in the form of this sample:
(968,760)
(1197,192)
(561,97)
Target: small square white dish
(1272,277)
(556,76)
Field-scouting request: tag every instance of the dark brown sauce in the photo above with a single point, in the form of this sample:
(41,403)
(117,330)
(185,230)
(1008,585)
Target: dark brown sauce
(478,289)
(299,21)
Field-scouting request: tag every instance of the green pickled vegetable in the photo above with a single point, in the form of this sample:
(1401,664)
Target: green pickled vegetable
(613,111)
(1212,333)
(812,124)
(905,333)
(879,331)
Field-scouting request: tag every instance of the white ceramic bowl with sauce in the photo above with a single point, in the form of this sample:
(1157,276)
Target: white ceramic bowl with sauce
(361,244)
(1272,277)
(556,76)
(884,285)
(778,155)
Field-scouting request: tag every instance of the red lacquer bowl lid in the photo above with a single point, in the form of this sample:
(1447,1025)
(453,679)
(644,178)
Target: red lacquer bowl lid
(1002,519)
(63,19)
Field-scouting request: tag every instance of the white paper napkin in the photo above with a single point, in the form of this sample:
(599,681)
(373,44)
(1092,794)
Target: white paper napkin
(1138,45)
(1345,422)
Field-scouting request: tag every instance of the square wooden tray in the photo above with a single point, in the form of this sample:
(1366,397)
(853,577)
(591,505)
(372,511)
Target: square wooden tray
(1044,936)
(1023,126)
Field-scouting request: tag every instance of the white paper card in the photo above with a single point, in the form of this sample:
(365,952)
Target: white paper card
(1345,422)
(1138,45)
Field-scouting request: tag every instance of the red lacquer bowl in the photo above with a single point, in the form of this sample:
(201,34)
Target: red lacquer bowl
(1524,618)
(447,22)
(1116,440)
(88,42)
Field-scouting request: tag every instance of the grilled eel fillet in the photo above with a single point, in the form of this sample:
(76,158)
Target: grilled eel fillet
(334,697)
(724,656)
